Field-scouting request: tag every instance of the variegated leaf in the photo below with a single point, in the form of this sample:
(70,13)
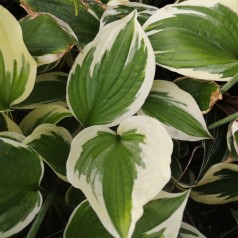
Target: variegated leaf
(50,88)
(188,231)
(47,37)
(21,170)
(12,136)
(196,38)
(52,143)
(217,185)
(17,67)
(162,216)
(6,124)
(206,93)
(85,24)
(117,10)
(112,77)
(47,67)
(120,173)
(41,115)
(177,110)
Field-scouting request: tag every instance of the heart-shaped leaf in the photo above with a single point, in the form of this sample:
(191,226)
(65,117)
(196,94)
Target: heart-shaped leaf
(112,77)
(120,173)
(21,170)
(177,110)
(17,67)
(196,38)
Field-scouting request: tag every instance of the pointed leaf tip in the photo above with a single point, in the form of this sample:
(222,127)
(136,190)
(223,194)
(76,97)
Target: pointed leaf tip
(112,77)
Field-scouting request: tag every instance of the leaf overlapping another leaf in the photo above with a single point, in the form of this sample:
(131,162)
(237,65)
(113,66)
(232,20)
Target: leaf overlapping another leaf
(177,110)
(112,77)
(21,171)
(119,173)
(17,67)
(196,38)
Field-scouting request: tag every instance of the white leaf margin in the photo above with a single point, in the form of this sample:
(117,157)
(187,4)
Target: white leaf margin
(170,11)
(21,225)
(11,135)
(112,10)
(11,125)
(192,229)
(209,177)
(48,130)
(13,48)
(43,113)
(149,181)
(103,43)
(173,223)
(185,102)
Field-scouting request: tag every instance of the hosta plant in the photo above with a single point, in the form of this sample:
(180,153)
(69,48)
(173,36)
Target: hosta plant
(116,116)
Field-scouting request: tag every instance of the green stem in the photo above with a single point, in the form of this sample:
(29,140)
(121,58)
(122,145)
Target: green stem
(229,84)
(9,114)
(40,216)
(76,7)
(223,121)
